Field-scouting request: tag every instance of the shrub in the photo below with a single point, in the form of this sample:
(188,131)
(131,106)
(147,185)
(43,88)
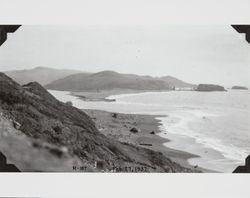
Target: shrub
(69,103)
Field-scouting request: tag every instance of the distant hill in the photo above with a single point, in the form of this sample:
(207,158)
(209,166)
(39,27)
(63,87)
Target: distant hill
(73,80)
(42,75)
(107,80)
(174,82)
(240,87)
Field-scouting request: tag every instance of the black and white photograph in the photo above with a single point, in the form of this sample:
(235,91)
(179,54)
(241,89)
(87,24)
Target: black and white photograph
(135,99)
(124,98)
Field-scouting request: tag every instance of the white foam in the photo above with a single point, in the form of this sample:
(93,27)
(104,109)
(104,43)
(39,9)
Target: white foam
(232,154)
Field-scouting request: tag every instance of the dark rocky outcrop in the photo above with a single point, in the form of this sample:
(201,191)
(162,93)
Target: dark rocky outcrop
(240,87)
(209,87)
(134,130)
(64,128)
(114,115)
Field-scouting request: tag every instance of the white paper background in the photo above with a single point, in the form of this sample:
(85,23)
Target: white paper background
(116,12)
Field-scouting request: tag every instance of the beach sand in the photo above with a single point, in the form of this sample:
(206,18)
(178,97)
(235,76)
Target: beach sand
(118,126)
(103,94)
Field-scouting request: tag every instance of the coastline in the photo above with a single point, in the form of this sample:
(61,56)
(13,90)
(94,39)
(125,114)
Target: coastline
(171,145)
(201,154)
(147,123)
(105,95)
(118,126)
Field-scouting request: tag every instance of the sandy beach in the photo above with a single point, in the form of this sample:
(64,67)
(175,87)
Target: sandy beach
(103,95)
(151,131)
(141,131)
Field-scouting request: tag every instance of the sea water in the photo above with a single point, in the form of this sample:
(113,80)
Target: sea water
(213,125)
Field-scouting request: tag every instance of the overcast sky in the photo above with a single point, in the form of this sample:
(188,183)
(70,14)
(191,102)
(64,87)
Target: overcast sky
(196,54)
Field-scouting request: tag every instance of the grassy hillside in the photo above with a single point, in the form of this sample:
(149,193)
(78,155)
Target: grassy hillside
(41,117)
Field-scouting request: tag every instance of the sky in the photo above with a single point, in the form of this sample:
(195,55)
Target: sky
(195,54)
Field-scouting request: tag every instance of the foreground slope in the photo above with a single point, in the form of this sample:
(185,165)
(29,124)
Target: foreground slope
(43,120)
(42,75)
(31,155)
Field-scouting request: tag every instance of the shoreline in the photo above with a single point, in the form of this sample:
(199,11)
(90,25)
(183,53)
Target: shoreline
(119,128)
(104,96)
(198,158)
(163,144)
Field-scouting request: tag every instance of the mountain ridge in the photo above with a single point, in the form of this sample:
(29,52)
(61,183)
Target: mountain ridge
(74,80)
(42,75)
(108,80)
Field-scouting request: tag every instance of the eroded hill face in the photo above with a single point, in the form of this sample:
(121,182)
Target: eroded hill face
(40,117)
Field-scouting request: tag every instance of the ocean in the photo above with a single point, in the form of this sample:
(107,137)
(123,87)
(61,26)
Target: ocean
(213,125)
